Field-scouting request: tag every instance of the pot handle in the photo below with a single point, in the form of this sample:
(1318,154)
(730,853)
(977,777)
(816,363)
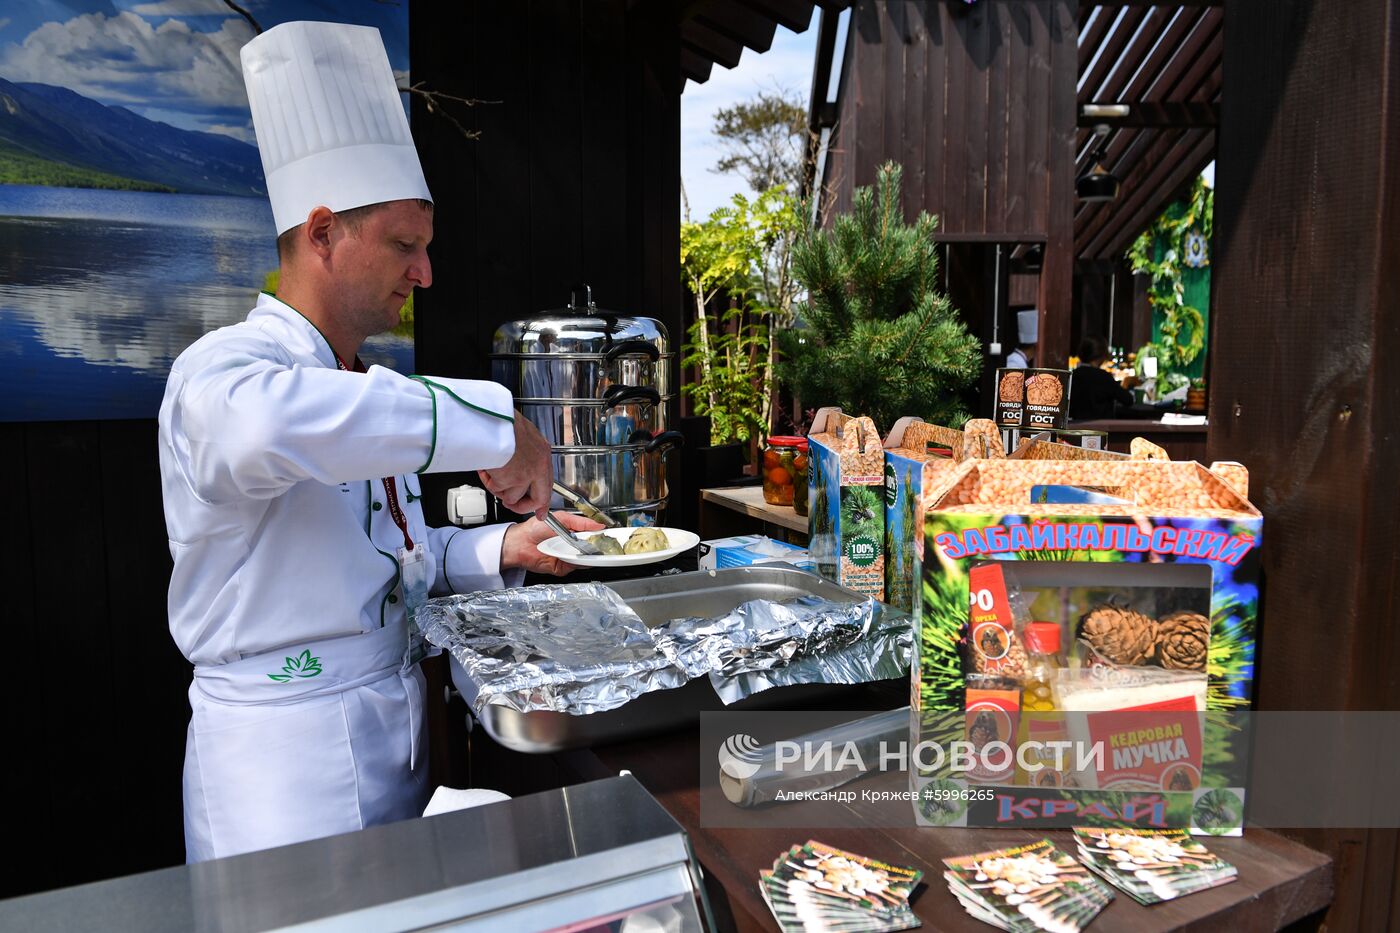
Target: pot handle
(666,439)
(633,348)
(616,395)
(587,307)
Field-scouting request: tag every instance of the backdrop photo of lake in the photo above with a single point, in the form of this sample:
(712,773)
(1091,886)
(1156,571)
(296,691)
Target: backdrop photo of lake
(100,290)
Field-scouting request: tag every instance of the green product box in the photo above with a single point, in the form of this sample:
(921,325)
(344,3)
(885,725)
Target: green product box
(846,510)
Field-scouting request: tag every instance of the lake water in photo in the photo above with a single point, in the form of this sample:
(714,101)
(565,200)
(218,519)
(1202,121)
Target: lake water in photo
(101,290)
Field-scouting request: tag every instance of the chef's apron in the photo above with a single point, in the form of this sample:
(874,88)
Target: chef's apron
(307,741)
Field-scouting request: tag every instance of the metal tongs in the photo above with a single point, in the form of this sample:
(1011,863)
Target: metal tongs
(573,540)
(586,509)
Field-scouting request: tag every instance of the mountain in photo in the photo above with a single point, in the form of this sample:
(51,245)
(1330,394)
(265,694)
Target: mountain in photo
(51,135)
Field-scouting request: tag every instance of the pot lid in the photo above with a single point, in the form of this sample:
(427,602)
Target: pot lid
(580,327)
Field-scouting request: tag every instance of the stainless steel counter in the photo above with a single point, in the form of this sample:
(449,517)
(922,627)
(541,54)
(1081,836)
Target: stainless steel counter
(604,848)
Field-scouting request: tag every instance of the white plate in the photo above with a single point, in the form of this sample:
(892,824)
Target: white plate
(679,540)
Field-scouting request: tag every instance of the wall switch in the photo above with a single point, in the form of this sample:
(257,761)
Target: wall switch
(994,348)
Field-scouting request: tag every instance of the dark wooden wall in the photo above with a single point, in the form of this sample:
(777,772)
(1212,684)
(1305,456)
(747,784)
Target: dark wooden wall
(1303,361)
(575,176)
(93,701)
(977,103)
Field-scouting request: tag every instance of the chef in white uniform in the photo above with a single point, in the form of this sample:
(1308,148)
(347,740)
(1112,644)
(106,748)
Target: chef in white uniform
(289,477)
(1027,324)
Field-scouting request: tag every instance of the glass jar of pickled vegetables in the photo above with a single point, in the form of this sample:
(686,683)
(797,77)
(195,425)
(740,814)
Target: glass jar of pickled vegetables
(780,469)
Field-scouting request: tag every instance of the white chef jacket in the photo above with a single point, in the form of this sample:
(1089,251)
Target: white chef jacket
(271,464)
(1016,359)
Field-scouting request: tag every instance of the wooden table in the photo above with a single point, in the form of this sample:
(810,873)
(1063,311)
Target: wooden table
(740,510)
(1280,882)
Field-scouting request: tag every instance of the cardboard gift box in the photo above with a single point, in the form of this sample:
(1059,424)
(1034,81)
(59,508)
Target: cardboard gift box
(1150,568)
(846,512)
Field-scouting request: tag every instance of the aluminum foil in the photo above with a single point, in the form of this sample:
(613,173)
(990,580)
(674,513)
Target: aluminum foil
(574,648)
(883,653)
(762,634)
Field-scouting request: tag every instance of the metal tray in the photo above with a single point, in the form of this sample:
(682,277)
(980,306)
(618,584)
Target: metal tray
(659,599)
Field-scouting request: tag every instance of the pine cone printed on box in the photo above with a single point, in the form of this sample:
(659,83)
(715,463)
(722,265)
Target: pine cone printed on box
(1012,385)
(1120,636)
(1183,641)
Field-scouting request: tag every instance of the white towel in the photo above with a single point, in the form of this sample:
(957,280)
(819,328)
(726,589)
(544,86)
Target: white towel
(447,799)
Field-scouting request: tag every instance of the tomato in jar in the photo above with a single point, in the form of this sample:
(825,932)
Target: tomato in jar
(780,471)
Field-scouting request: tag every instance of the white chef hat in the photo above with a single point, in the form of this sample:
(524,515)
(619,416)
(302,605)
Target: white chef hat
(1027,323)
(331,129)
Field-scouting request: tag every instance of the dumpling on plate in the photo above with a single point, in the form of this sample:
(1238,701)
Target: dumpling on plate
(646,540)
(606,543)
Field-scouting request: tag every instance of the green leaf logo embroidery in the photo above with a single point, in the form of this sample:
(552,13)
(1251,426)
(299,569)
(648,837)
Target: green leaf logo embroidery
(303,665)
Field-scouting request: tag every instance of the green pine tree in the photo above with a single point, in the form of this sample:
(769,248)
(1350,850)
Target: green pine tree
(880,340)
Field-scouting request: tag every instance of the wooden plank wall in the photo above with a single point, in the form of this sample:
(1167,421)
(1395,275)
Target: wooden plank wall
(575,177)
(977,103)
(1303,391)
(94,704)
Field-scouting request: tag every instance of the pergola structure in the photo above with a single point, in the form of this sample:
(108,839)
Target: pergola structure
(1165,63)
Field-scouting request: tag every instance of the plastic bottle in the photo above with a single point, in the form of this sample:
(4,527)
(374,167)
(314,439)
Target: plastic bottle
(1043,649)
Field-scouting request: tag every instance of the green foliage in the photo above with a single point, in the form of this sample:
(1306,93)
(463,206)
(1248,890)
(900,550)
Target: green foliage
(729,363)
(740,250)
(764,140)
(1160,253)
(18,167)
(881,340)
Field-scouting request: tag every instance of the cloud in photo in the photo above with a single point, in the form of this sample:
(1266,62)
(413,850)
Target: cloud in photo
(125,60)
(786,66)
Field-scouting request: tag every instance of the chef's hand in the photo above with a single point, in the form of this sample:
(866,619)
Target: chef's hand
(520,549)
(526,483)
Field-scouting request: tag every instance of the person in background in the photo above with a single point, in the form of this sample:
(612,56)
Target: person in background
(289,472)
(1093,392)
(1023,356)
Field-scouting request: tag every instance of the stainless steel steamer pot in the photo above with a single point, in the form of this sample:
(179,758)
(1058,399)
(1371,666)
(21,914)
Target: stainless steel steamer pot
(617,477)
(580,352)
(598,386)
(614,419)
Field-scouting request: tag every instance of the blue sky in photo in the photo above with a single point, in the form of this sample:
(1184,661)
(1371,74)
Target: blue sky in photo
(787,65)
(175,61)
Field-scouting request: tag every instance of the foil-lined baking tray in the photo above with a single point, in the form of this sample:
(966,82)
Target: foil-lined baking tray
(534,718)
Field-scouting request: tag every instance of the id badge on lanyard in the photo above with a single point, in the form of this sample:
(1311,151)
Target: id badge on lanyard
(413,562)
(413,576)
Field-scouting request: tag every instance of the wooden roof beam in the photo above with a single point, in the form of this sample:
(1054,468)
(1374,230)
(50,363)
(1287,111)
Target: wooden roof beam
(1112,49)
(694,66)
(718,48)
(1090,38)
(1154,25)
(1146,191)
(794,14)
(1176,42)
(1161,115)
(1184,170)
(1113,4)
(738,23)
